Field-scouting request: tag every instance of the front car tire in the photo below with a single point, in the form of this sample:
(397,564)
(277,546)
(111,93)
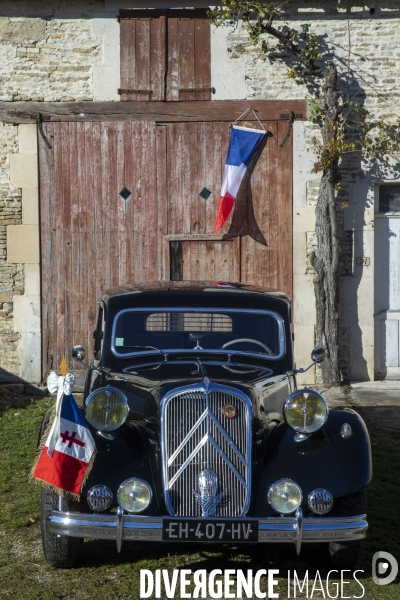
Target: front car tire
(345,555)
(60,551)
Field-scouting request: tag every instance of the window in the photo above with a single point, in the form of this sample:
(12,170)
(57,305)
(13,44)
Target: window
(389,197)
(244,331)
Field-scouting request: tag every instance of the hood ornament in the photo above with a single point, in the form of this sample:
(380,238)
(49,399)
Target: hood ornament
(208,499)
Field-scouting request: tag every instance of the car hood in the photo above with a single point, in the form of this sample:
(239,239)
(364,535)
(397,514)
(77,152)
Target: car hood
(267,385)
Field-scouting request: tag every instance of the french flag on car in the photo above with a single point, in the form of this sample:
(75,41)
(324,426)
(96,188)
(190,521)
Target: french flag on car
(66,454)
(242,147)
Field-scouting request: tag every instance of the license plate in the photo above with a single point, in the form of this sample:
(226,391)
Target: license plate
(205,530)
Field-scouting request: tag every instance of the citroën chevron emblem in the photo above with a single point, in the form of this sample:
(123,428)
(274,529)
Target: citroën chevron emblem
(208,499)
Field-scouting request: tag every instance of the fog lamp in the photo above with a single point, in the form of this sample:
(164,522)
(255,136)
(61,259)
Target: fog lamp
(134,495)
(284,496)
(320,501)
(106,409)
(99,498)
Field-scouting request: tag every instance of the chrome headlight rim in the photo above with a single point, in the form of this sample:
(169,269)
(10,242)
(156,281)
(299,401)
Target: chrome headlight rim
(305,431)
(278,482)
(148,489)
(106,389)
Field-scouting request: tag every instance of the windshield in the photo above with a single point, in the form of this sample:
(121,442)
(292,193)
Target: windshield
(248,331)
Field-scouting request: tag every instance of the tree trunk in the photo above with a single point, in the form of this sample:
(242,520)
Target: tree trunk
(327,258)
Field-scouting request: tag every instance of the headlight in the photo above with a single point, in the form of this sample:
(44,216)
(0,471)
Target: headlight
(306,411)
(106,409)
(284,496)
(134,495)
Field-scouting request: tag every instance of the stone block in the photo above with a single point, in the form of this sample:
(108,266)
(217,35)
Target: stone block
(27,139)
(106,81)
(32,280)
(30,206)
(303,345)
(299,254)
(304,302)
(23,244)
(29,351)
(27,314)
(304,219)
(24,170)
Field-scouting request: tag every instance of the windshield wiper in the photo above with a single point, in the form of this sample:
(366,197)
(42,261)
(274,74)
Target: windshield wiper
(147,348)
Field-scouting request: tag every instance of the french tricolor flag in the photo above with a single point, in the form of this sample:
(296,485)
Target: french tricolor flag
(67,452)
(242,147)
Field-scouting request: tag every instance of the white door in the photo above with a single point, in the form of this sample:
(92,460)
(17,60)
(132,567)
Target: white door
(387,296)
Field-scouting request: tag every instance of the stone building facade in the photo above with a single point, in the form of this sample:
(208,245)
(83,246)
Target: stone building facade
(61,51)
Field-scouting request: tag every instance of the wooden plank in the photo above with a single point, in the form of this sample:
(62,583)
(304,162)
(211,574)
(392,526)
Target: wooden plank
(48,225)
(158,58)
(209,260)
(172,76)
(65,270)
(199,237)
(285,213)
(151,13)
(89,256)
(186,52)
(162,203)
(142,63)
(168,112)
(130,181)
(202,58)
(97,242)
(127,56)
(73,287)
(120,227)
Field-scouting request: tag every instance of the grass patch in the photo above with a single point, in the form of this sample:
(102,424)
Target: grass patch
(103,574)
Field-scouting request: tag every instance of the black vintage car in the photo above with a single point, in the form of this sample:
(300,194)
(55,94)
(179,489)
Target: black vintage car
(201,433)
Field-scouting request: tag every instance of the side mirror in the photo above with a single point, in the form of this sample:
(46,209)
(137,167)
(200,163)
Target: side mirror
(78,353)
(318,354)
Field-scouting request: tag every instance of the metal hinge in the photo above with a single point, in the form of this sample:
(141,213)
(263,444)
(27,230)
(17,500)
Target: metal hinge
(211,89)
(128,91)
(289,115)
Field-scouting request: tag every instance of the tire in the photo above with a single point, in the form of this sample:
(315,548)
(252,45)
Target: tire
(345,555)
(60,551)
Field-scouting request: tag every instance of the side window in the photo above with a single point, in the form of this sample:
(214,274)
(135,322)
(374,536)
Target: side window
(98,335)
(165,55)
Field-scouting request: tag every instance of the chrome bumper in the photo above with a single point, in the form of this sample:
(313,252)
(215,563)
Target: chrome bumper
(122,527)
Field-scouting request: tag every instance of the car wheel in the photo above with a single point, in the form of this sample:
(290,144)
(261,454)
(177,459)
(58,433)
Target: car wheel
(61,551)
(345,555)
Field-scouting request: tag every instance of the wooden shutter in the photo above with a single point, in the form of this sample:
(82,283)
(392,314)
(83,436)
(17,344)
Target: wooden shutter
(165,55)
(189,56)
(143,57)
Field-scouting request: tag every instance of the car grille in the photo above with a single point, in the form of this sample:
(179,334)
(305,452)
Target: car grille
(196,435)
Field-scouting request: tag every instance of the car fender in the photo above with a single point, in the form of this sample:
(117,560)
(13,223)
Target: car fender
(341,465)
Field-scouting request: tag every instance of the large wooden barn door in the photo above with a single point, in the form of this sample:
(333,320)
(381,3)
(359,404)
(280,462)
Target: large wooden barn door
(255,245)
(134,201)
(102,204)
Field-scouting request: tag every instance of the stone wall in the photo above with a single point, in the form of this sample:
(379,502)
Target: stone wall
(11,275)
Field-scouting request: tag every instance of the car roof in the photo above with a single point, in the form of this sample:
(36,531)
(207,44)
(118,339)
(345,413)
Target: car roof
(190,286)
